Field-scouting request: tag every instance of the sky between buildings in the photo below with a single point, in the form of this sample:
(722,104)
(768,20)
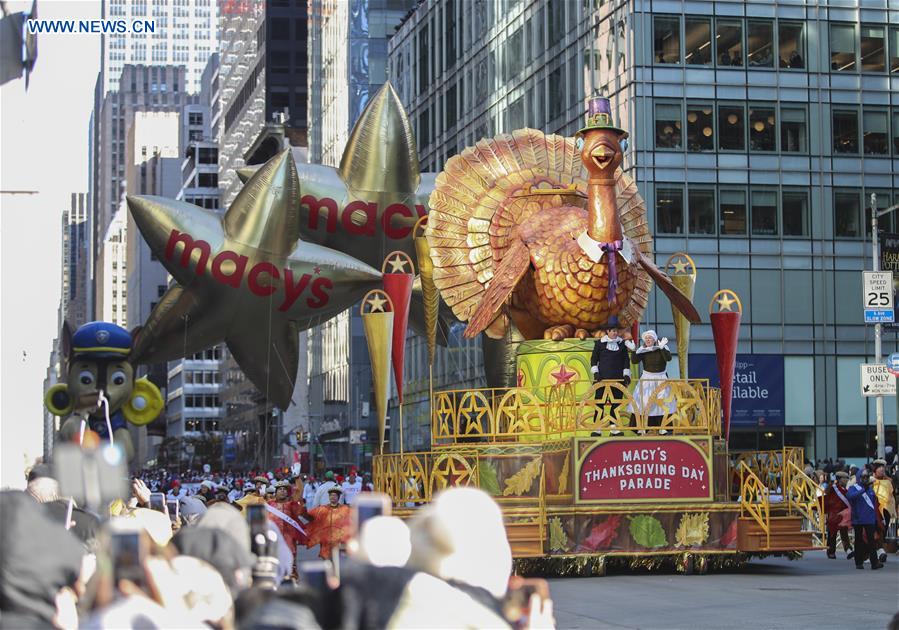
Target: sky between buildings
(44,148)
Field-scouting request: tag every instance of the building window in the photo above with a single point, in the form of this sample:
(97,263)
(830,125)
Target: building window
(208,180)
(847,213)
(873,48)
(666,33)
(842,47)
(730,43)
(791,44)
(700,128)
(896,132)
(793,130)
(701,206)
(668,126)
(894,50)
(160,290)
(670,210)
(731,128)
(760,43)
(280,28)
(764,213)
(762,127)
(556,94)
(732,218)
(795,213)
(698,41)
(874,133)
(845,131)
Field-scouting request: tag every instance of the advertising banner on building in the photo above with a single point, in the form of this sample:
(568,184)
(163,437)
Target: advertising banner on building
(889,261)
(229,448)
(641,470)
(758,387)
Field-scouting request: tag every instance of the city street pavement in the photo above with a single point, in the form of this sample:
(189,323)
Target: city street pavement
(812,592)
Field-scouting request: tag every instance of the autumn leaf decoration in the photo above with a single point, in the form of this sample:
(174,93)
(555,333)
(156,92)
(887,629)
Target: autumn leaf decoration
(558,540)
(647,531)
(563,476)
(693,530)
(521,482)
(602,535)
(487,479)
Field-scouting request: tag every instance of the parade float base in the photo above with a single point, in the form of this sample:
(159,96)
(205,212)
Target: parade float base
(563,517)
(584,478)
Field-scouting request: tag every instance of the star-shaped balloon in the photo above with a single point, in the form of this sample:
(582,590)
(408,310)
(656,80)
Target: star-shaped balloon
(368,206)
(245,278)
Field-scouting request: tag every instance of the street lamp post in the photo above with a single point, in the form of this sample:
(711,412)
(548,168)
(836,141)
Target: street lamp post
(875,259)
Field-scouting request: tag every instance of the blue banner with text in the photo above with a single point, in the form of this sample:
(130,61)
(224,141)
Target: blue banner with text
(758,387)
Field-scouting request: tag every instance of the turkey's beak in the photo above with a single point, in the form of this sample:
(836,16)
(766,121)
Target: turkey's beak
(602,155)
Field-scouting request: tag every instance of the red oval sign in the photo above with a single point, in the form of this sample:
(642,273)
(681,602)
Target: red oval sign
(627,470)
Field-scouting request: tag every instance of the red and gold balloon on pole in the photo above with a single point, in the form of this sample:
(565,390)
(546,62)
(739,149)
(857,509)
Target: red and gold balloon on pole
(682,271)
(398,275)
(725,312)
(378,321)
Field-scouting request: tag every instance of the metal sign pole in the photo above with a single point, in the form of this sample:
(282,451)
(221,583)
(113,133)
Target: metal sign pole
(878,403)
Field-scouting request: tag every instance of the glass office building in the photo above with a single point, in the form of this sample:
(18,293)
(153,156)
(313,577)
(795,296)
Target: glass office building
(758,133)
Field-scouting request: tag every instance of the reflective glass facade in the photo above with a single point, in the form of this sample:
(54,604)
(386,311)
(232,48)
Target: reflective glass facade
(758,132)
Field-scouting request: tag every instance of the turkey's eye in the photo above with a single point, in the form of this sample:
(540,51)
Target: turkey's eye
(86,378)
(118,378)
(579,143)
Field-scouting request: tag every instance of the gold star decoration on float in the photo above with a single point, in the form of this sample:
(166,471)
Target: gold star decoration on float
(680,264)
(244,278)
(376,303)
(726,300)
(398,264)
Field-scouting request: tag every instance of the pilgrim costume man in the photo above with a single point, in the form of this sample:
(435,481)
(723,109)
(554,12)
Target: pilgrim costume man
(610,362)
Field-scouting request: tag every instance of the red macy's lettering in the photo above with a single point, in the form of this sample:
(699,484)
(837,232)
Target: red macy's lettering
(262,277)
(368,208)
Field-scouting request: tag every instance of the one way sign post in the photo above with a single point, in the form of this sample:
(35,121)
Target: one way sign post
(876,380)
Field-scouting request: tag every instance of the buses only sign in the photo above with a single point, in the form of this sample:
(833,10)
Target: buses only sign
(877,381)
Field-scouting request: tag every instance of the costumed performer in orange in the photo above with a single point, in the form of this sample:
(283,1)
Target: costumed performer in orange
(331,524)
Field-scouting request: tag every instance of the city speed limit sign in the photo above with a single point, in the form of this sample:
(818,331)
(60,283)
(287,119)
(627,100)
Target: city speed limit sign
(878,297)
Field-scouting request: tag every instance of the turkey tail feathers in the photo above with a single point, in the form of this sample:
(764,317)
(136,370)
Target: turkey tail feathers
(486,191)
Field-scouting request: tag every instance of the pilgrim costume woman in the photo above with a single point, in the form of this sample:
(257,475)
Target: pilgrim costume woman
(651,397)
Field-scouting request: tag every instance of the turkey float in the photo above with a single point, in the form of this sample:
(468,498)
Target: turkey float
(548,227)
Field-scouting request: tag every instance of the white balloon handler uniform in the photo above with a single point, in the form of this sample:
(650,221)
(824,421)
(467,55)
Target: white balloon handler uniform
(651,398)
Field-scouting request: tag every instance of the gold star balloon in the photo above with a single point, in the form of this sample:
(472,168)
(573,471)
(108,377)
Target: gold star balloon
(245,278)
(368,206)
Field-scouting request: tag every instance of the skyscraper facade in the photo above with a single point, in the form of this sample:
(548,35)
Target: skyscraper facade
(142,89)
(262,76)
(757,134)
(184,35)
(75,260)
(140,71)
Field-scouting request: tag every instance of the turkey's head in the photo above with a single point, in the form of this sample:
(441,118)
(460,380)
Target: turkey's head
(601,153)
